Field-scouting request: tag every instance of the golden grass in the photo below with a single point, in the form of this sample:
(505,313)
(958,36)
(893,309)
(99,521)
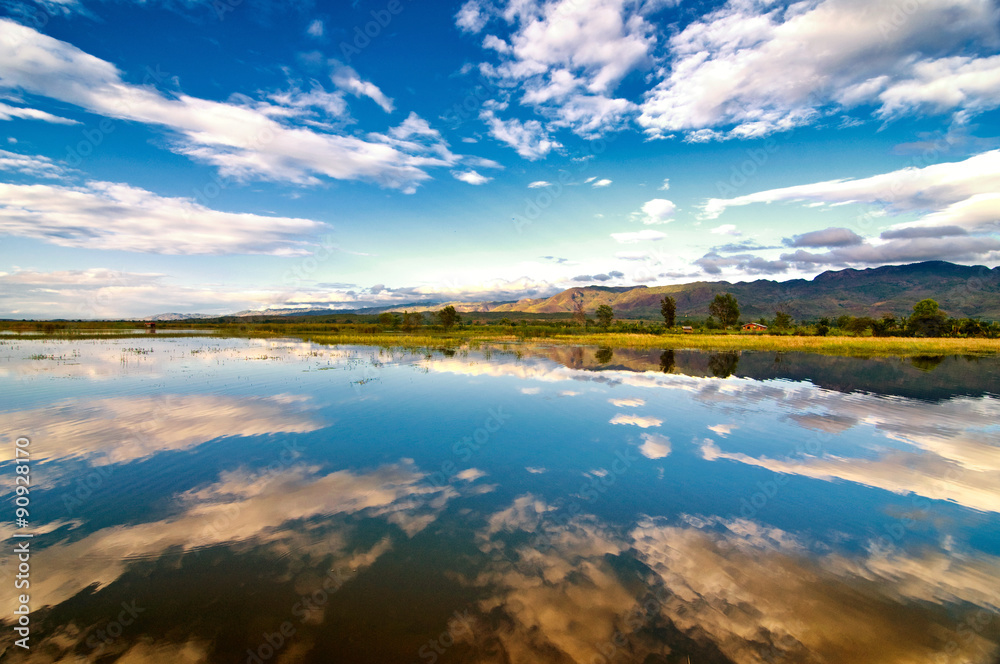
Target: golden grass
(848,346)
(431,338)
(851,346)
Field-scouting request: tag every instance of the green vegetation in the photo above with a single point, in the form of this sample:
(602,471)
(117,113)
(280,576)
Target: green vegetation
(668,309)
(726,309)
(448,317)
(605,315)
(927,332)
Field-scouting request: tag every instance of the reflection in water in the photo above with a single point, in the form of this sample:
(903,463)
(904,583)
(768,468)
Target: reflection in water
(121,429)
(298,503)
(667,361)
(723,365)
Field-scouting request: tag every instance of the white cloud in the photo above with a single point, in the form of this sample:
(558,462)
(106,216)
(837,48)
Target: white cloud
(658,211)
(470,177)
(948,191)
(243,140)
(627,403)
(636,420)
(666,184)
(638,236)
(347,79)
(315,29)
(537,184)
(601,183)
(726,229)
(471,17)
(8,112)
(529,138)
(36,165)
(654,446)
(567,57)
(758,67)
(110,216)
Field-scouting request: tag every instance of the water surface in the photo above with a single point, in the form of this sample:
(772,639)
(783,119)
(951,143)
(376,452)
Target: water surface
(234,500)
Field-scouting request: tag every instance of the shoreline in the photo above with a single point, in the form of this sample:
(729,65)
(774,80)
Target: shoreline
(828,345)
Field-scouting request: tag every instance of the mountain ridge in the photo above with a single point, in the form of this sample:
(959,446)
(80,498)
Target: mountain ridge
(961,290)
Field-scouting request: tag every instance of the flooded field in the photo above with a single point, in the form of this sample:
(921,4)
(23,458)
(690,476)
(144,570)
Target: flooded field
(241,500)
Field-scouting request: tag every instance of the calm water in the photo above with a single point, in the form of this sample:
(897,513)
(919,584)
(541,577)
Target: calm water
(233,500)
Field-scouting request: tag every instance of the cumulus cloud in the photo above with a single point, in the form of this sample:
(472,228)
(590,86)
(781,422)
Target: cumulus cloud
(640,421)
(654,446)
(751,67)
(111,216)
(537,184)
(529,138)
(601,183)
(315,29)
(470,177)
(658,211)
(638,236)
(471,16)
(725,229)
(567,57)
(243,140)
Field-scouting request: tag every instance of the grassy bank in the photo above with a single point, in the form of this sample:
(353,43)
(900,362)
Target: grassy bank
(424,337)
(849,346)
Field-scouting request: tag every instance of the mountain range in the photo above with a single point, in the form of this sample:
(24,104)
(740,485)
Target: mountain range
(961,290)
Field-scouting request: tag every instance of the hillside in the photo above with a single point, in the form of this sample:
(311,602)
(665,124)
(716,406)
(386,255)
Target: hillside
(961,290)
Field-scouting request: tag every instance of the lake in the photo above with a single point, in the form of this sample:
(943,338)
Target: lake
(247,500)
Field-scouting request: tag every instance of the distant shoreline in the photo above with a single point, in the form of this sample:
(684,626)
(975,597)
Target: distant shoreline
(828,345)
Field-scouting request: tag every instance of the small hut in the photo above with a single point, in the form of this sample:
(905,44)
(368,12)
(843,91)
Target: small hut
(754,327)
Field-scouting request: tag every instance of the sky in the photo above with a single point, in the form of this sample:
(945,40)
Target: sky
(215,156)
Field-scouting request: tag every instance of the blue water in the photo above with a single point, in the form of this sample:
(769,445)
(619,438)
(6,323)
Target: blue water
(232,500)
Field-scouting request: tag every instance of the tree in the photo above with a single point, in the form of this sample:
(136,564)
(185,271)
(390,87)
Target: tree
(412,320)
(725,308)
(605,314)
(448,317)
(782,321)
(385,319)
(668,307)
(927,320)
(604,355)
(579,315)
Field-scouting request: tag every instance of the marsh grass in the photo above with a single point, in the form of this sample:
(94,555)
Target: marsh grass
(473,336)
(847,346)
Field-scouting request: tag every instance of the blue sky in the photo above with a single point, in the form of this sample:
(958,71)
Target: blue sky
(197,156)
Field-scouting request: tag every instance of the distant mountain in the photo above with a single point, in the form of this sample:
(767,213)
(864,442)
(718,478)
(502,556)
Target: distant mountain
(162,317)
(961,290)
